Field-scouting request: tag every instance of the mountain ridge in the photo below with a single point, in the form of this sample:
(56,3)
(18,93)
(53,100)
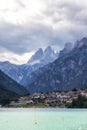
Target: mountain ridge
(65,73)
(19,73)
(11,85)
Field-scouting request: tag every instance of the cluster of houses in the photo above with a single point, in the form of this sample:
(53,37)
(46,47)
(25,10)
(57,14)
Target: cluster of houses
(52,99)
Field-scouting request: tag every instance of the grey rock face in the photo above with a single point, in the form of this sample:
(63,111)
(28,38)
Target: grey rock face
(36,57)
(19,73)
(43,57)
(66,73)
(68,47)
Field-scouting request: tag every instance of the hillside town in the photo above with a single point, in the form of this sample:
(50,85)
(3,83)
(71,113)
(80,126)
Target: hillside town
(54,99)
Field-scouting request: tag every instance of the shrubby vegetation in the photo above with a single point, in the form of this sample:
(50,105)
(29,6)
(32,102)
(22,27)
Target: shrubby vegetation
(80,102)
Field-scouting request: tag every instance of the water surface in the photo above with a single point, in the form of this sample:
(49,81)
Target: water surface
(43,119)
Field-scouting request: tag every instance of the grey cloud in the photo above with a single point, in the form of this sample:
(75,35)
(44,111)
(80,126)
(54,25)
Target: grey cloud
(67,10)
(20,39)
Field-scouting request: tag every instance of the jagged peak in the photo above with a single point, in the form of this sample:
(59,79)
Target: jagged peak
(82,42)
(37,56)
(42,56)
(38,52)
(68,46)
(48,50)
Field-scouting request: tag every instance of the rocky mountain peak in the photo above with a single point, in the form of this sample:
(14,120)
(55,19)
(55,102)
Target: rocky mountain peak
(81,43)
(65,73)
(43,57)
(67,48)
(37,56)
(48,52)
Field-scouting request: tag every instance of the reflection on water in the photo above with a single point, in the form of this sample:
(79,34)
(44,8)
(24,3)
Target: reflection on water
(43,119)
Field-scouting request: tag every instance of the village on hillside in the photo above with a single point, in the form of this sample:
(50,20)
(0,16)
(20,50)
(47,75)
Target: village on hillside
(49,99)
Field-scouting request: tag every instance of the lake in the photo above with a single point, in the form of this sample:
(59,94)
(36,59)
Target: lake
(43,119)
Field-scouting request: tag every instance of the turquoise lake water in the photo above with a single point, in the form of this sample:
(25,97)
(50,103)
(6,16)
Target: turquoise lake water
(43,119)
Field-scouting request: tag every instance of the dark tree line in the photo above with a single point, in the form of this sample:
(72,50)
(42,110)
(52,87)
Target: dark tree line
(80,102)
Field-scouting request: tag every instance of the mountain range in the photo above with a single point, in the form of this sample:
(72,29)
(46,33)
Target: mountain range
(7,84)
(65,73)
(20,73)
(48,70)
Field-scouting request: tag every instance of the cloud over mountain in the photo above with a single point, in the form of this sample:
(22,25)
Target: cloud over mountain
(27,25)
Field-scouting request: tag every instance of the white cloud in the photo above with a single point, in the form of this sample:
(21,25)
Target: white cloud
(19,11)
(14,58)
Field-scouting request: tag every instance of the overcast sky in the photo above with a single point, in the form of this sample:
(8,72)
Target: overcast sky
(26,25)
